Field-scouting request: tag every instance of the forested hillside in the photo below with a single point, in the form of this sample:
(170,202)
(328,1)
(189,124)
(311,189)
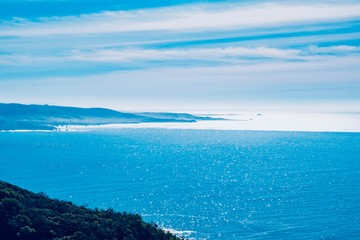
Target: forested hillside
(28,216)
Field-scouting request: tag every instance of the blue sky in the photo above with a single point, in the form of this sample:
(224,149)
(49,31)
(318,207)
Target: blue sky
(181,55)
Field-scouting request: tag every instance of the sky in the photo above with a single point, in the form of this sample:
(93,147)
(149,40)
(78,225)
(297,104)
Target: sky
(181,55)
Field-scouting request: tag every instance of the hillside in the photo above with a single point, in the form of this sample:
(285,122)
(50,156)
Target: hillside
(15,116)
(29,216)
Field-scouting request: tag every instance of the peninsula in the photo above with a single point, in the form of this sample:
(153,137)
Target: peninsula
(14,116)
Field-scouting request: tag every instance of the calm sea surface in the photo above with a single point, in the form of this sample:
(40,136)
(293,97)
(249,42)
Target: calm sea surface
(220,184)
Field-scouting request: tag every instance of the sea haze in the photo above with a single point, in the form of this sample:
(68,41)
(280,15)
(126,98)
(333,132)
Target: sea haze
(215,184)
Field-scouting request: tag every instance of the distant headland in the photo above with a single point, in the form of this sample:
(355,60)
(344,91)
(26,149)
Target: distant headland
(15,116)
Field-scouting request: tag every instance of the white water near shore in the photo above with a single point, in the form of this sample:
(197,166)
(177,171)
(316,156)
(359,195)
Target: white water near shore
(264,120)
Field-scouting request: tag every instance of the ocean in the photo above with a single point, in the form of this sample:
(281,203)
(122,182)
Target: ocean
(207,184)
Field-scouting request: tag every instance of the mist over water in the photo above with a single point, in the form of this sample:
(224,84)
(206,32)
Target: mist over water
(214,184)
(305,121)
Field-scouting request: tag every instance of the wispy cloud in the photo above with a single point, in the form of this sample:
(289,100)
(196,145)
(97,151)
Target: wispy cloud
(212,52)
(188,18)
(135,55)
(335,49)
(227,54)
(232,86)
(204,54)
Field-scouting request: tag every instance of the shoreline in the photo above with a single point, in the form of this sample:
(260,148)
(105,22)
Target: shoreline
(252,121)
(244,121)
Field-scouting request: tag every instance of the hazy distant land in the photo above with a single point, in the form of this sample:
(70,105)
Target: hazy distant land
(20,117)
(14,116)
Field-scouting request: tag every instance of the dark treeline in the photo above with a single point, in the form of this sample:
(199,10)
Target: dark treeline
(28,216)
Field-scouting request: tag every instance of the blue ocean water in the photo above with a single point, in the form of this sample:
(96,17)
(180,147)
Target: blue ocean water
(220,184)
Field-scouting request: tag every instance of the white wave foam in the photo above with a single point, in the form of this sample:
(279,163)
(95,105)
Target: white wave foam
(179,233)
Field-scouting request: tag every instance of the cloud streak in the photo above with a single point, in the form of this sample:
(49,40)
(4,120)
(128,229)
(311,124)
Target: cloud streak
(202,54)
(221,53)
(216,54)
(188,18)
(336,78)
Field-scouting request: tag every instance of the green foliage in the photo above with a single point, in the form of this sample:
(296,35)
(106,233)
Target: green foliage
(28,216)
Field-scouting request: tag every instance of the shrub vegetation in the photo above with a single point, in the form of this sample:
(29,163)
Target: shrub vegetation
(29,216)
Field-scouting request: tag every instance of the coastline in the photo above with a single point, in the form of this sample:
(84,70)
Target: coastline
(251,121)
(244,121)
